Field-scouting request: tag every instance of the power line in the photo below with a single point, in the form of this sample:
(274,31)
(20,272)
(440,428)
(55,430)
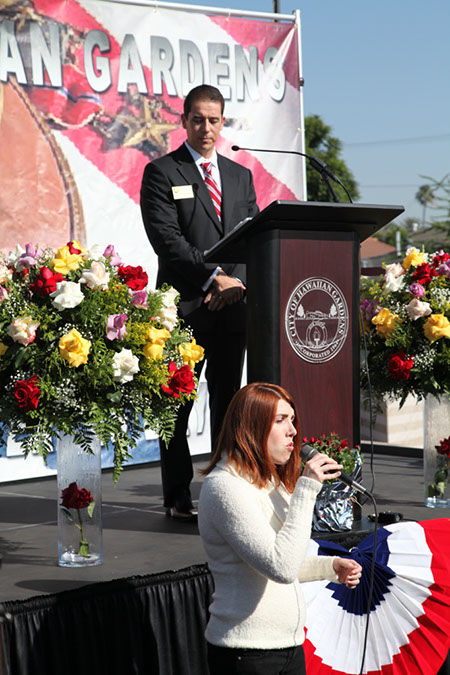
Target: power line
(404,185)
(399,141)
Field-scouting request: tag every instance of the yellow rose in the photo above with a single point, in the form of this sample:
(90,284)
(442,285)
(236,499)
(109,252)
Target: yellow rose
(74,349)
(152,351)
(386,322)
(414,258)
(156,340)
(64,261)
(191,353)
(3,348)
(437,326)
(157,336)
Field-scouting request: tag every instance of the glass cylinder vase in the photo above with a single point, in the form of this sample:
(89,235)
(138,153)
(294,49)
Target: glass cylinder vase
(436,466)
(80,537)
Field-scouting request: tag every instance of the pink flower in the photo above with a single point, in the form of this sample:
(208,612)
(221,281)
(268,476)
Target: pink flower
(116,326)
(110,252)
(417,290)
(23,330)
(444,269)
(28,258)
(417,309)
(3,293)
(139,299)
(371,308)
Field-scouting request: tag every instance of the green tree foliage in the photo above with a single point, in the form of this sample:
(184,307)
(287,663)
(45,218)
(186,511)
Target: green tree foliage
(320,143)
(425,197)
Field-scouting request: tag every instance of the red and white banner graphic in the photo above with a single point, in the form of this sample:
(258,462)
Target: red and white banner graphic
(90,91)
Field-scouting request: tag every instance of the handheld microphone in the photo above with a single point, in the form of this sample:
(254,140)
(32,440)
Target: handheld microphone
(307,451)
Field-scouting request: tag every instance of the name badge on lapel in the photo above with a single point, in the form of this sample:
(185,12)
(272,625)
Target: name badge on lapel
(183,192)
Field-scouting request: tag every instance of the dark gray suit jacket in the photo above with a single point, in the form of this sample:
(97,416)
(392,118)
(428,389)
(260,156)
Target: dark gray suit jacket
(180,230)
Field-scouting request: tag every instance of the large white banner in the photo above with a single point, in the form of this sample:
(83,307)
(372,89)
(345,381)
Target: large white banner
(90,91)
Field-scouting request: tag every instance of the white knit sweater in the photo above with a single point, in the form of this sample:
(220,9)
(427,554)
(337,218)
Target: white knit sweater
(256,542)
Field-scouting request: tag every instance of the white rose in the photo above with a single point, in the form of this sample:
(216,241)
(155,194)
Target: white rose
(5,273)
(23,330)
(96,252)
(14,257)
(394,268)
(125,365)
(68,294)
(169,317)
(392,283)
(96,276)
(168,314)
(417,309)
(168,297)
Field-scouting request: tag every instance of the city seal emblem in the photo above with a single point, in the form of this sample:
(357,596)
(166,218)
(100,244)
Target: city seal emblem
(316,320)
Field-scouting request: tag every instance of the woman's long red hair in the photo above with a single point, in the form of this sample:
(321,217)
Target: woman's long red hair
(245,432)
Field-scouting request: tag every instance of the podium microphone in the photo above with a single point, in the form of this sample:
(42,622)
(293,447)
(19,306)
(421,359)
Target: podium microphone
(307,451)
(315,162)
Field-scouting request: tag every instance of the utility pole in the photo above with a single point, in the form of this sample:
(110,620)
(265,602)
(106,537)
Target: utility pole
(276,6)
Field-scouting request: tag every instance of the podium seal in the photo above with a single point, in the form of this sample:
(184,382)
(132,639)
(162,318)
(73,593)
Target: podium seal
(316,320)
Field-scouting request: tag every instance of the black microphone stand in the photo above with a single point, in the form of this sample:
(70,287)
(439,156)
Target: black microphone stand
(315,162)
(320,166)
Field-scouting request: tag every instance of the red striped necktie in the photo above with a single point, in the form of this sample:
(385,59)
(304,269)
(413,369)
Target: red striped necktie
(212,186)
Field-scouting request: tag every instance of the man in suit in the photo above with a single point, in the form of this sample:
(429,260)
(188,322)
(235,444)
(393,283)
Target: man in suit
(187,208)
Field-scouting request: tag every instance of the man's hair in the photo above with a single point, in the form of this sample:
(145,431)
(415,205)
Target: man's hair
(245,432)
(204,92)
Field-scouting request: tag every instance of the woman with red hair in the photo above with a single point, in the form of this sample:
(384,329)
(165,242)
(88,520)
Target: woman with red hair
(255,514)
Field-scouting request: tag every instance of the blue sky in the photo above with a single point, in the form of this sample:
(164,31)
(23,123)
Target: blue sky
(378,73)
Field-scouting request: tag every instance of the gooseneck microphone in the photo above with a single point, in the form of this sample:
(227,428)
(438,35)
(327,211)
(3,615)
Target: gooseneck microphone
(315,162)
(307,451)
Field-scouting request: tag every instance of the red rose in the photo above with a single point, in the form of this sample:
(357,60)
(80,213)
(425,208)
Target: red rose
(46,281)
(439,259)
(134,277)
(424,274)
(400,365)
(181,382)
(73,250)
(27,393)
(75,498)
(444,447)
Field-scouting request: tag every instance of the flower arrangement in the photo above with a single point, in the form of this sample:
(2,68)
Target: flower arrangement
(406,323)
(77,498)
(87,350)
(339,449)
(437,489)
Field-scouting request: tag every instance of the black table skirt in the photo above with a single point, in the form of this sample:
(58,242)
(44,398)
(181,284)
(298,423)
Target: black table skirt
(150,625)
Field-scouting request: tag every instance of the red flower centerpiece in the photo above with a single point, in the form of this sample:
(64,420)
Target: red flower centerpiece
(76,498)
(333,510)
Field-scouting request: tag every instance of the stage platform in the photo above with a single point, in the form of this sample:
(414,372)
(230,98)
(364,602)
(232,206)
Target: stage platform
(138,538)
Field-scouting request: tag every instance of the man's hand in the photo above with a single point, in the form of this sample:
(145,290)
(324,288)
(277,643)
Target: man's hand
(225,291)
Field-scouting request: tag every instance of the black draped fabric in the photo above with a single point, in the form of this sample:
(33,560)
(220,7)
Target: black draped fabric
(152,625)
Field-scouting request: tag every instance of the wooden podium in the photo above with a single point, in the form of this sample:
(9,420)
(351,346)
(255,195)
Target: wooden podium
(303,274)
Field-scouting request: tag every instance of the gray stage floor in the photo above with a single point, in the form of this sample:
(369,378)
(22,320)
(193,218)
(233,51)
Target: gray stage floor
(137,537)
